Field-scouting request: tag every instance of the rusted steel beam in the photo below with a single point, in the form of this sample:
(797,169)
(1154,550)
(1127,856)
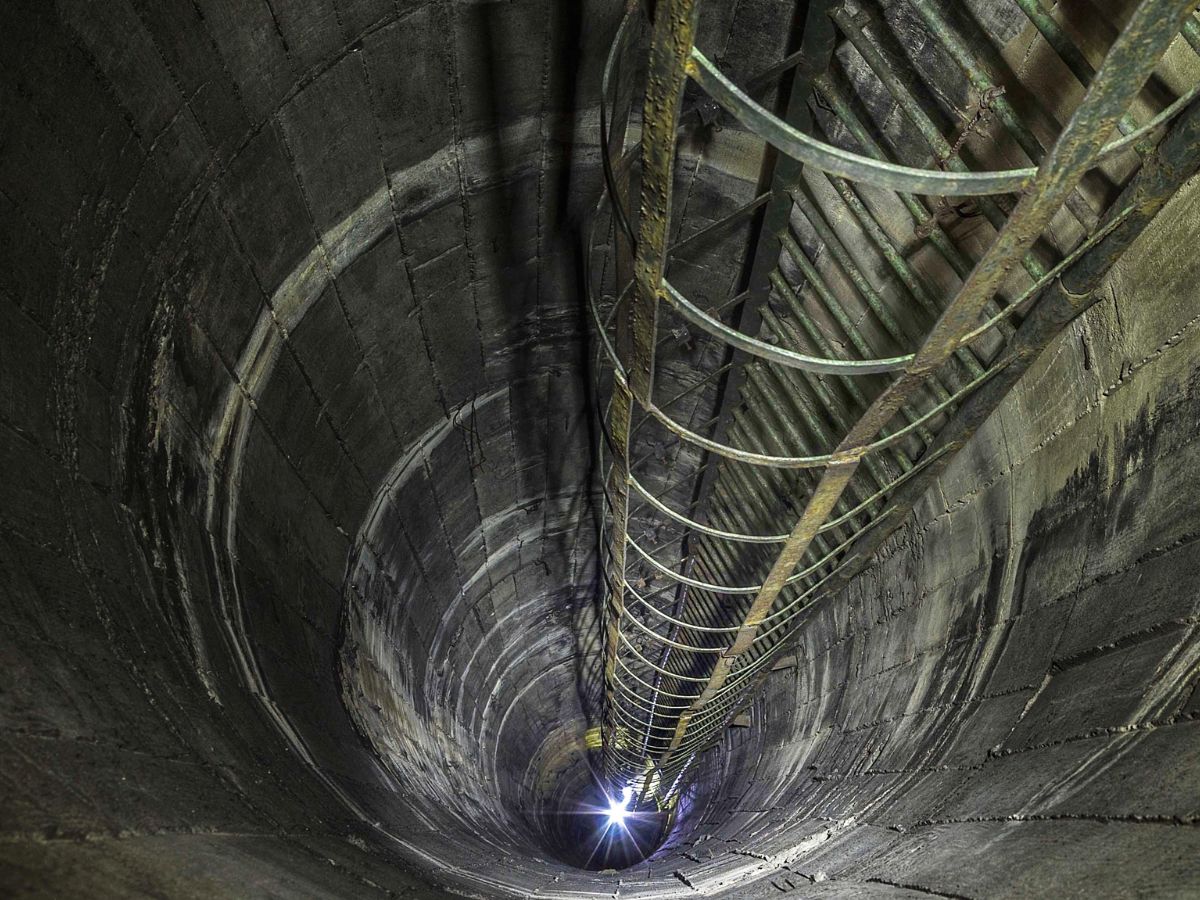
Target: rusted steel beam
(1128,65)
(768,545)
(672,37)
(1167,168)
(777,174)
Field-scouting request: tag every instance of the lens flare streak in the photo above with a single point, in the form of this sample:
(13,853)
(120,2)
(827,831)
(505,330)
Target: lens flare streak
(617,816)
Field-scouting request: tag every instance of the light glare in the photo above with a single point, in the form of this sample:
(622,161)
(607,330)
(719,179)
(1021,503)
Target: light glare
(618,810)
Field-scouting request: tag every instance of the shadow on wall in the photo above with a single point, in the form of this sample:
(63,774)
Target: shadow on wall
(282,327)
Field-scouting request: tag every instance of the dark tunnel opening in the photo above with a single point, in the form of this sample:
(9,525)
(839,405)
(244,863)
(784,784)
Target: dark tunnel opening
(589,826)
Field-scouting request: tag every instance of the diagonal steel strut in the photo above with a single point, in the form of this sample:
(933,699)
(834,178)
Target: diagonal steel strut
(723,630)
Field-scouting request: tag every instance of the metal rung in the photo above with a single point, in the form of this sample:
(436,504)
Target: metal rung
(767,476)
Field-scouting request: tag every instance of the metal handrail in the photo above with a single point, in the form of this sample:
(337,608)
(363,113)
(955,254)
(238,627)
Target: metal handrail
(812,557)
(834,160)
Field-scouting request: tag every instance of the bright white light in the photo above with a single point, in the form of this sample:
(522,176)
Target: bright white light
(618,810)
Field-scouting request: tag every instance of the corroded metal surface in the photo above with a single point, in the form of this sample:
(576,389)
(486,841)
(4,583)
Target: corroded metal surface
(842,391)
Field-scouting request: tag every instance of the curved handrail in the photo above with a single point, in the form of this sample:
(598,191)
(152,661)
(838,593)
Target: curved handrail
(763,350)
(850,455)
(847,164)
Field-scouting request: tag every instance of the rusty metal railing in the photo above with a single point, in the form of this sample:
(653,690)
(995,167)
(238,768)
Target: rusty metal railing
(828,392)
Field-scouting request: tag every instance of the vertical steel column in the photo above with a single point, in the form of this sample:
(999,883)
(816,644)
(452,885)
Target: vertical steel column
(765,245)
(675,676)
(671,45)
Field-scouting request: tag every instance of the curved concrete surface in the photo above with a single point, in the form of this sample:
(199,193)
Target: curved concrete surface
(298,522)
